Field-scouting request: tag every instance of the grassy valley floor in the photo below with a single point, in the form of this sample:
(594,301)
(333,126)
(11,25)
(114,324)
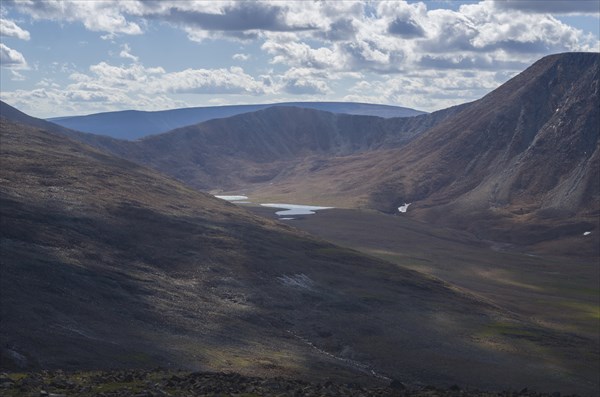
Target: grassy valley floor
(556,299)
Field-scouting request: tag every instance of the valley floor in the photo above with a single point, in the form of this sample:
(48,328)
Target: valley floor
(555,299)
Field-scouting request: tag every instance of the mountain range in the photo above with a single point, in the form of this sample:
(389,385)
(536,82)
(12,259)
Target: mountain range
(520,165)
(134,124)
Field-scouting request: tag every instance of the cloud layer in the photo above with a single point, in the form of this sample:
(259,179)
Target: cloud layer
(384,51)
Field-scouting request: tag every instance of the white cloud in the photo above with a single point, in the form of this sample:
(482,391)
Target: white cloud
(11,29)
(108,87)
(385,36)
(126,53)
(16,76)
(97,16)
(577,7)
(11,58)
(300,54)
(387,51)
(241,57)
(303,81)
(427,90)
(209,81)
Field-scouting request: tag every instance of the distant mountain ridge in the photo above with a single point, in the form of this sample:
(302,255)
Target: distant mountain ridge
(258,147)
(134,124)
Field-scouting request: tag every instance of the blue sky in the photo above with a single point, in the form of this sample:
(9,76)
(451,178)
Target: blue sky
(78,57)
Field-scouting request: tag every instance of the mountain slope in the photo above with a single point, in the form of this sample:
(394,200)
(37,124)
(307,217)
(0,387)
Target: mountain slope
(133,124)
(15,115)
(520,165)
(527,152)
(108,264)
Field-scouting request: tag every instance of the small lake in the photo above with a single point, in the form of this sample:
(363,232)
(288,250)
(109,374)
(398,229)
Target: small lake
(232,198)
(295,209)
(287,210)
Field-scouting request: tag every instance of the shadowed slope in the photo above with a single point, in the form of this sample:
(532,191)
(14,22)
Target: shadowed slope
(108,264)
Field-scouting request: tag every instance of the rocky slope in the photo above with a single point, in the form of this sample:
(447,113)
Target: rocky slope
(523,162)
(108,264)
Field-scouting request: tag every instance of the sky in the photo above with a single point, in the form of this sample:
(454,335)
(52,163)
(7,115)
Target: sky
(60,58)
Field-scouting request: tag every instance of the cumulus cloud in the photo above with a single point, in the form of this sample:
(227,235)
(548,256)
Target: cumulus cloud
(429,90)
(11,29)
(406,28)
(386,36)
(134,86)
(405,49)
(238,16)
(303,81)
(209,81)
(550,7)
(295,53)
(241,57)
(126,53)
(11,58)
(98,16)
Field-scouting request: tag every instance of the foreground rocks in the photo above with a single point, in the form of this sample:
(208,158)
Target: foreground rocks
(159,383)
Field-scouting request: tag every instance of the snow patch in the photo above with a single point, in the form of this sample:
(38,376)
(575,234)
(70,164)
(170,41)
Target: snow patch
(587,233)
(404,208)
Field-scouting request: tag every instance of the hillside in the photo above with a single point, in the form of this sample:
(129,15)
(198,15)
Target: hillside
(133,124)
(520,165)
(107,264)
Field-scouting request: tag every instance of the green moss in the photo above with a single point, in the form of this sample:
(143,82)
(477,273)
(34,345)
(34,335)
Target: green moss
(507,329)
(16,376)
(585,310)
